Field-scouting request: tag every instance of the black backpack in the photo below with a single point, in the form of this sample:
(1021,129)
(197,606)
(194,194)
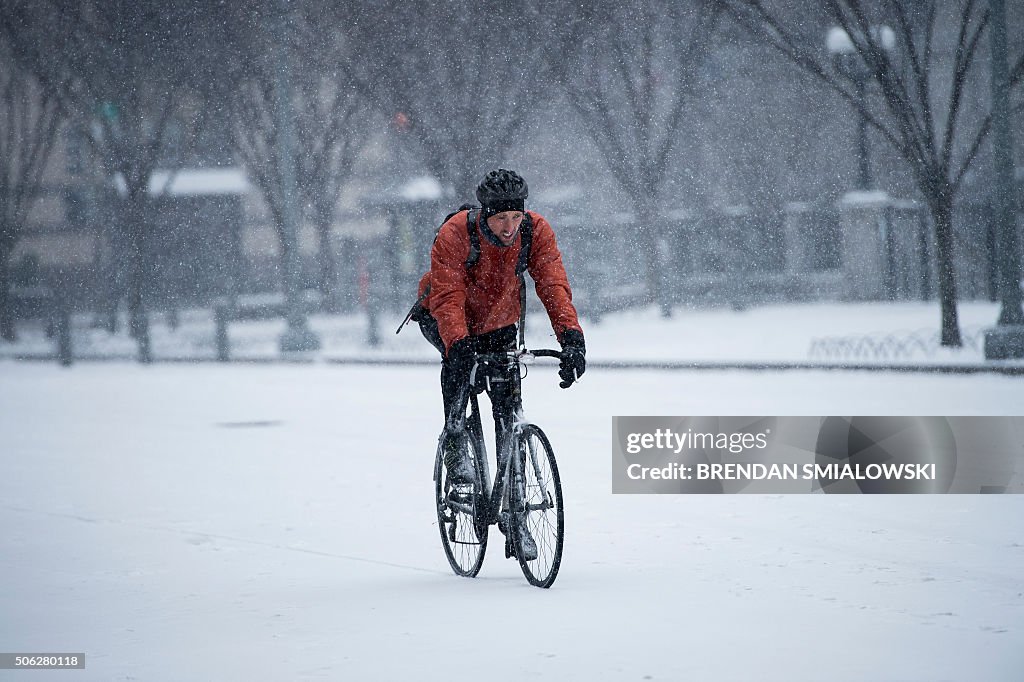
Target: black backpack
(472,222)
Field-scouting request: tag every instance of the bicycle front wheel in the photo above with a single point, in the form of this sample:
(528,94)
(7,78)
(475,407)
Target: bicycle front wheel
(541,493)
(463,537)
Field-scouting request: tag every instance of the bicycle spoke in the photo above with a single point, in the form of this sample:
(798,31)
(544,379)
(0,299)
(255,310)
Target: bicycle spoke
(542,502)
(464,540)
(528,494)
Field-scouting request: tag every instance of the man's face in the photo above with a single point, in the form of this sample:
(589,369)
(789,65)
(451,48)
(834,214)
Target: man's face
(505,225)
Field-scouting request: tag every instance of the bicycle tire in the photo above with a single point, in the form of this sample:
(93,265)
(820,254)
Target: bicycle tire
(463,539)
(542,504)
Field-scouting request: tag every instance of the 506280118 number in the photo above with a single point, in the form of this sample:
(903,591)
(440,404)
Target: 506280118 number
(45,660)
(31,661)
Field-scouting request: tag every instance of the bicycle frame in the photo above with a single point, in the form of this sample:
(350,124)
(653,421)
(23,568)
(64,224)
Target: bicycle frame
(525,498)
(490,500)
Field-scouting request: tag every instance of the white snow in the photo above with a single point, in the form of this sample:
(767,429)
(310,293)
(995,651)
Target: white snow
(193,182)
(187,522)
(838,41)
(422,188)
(873,197)
(770,333)
(200,181)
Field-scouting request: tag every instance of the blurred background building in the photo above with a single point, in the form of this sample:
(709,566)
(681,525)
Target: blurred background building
(773,186)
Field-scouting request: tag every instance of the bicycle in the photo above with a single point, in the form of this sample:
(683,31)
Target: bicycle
(526,481)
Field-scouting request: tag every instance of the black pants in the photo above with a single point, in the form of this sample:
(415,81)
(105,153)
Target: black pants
(455,383)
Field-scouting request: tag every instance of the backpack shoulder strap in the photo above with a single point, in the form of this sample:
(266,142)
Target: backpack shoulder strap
(474,238)
(526,235)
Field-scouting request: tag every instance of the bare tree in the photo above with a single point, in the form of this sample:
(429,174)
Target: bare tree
(462,74)
(30,121)
(127,69)
(331,122)
(922,92)
(629,70)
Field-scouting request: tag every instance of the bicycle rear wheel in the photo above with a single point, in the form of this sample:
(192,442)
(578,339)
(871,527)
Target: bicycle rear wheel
(464,540)
(541,494)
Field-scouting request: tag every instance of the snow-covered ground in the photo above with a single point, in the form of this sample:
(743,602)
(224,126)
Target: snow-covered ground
(210,522)
(904,333)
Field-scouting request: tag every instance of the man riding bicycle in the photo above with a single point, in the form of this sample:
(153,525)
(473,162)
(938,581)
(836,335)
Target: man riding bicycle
(471,303)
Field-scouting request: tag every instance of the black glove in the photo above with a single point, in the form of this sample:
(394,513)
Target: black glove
(574,357)
(461,356)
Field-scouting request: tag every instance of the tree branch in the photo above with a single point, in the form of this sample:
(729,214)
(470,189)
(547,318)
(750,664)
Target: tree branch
(1017,72)
(920,67)
(965,164)
(865,42)
(782,41)
(962,64)
(694,54)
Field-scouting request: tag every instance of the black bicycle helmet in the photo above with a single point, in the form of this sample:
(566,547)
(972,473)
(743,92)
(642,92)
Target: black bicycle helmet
(502,190)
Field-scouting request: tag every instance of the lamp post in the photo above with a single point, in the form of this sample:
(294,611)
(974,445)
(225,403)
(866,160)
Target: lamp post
(1006,339)
(849,64)
(297,337)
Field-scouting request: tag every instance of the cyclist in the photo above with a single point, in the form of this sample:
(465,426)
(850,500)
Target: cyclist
(475,308)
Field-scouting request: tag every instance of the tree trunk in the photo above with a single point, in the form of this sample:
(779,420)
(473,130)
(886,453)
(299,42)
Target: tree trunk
(328,283)
(137,315)
(653,267)
(942,215)
(7,331)
(111,273)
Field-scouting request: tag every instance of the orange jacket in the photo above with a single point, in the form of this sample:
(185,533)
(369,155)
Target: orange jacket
(473,301)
